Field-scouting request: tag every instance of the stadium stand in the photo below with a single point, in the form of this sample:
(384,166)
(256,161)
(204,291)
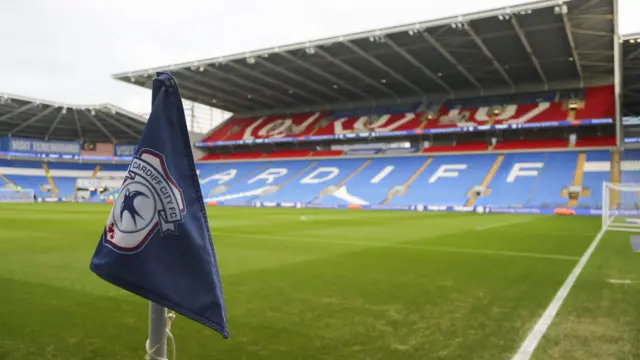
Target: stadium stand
(542,179)
(592,103)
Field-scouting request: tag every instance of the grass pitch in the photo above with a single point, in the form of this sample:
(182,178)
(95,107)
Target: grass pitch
(311,284)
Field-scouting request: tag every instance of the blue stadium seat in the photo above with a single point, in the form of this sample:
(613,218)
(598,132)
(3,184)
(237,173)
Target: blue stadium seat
(531,179)
(597,170)
(225,175)
(30,182)
(273,174)
(447,180)
(308,185)
(374,182)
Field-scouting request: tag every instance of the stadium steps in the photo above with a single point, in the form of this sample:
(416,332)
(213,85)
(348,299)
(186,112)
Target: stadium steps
(95,171)
(54,189)
(615,176)
(344,181)
(487,179)
(571,114)
(8,181)
(412,178)
(577,177)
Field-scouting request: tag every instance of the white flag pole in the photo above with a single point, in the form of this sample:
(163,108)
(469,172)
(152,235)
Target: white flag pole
(157,343)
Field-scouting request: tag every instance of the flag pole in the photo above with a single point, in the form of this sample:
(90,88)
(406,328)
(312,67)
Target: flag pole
(157,343)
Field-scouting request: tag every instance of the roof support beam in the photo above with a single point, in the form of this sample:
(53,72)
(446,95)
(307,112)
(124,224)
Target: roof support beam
(382,66)
(55,122)
(629,57)
(587,5)
(118,125)
(355,72)
(240,80)
(193,95)
(137,124)
(451,59)
(324,74)
(17,111)
(101,127)
(192,76)
(525,43)
(572,44)
(486,51)
(75,117)
(419,65)
(203,90)
(274,81)
(32,120)
(590,32)
(302,80)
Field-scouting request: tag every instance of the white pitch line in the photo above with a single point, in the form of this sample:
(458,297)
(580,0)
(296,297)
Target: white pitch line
(619,281)
(404,246)
(490,226)
(531,342)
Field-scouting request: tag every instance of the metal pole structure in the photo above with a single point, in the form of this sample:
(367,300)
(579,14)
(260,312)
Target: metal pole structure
(157,345)
(617,78)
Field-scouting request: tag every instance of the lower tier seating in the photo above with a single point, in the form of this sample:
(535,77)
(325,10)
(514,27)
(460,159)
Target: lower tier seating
(533,179)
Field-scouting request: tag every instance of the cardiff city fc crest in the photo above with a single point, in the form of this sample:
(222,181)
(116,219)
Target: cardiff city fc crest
(149,200)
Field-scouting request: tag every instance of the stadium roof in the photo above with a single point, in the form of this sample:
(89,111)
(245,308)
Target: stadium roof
(34,118)
(631,74)
(550,44)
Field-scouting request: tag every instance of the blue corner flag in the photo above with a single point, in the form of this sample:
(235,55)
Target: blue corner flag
(156,242)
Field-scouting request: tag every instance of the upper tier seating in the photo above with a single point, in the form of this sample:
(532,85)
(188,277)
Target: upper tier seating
(591,103)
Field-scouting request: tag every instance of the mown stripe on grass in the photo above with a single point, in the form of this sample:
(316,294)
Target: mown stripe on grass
(401,246)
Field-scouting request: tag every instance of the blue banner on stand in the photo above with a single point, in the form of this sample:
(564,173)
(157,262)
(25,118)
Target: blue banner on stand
(125,150)
(34,146)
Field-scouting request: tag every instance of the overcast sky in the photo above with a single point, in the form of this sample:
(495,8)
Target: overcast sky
(66,50)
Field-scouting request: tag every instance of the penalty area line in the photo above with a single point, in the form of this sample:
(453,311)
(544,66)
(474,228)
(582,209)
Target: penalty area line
(531,342)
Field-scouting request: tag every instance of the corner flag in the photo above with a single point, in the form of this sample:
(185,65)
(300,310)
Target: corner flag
(156,242)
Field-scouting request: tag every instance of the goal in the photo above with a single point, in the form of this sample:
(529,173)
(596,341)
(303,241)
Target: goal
(16,195)
(621,207)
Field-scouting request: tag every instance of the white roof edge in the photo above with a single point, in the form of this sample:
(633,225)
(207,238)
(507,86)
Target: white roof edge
(632,36)
(101,106)
(540,4)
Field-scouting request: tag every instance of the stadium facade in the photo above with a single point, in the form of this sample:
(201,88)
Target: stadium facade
(527,108)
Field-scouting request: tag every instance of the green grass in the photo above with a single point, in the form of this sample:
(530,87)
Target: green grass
(331,285)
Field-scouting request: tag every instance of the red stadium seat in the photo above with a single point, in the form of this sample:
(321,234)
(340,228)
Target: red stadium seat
(288,154)
(328,153)
(457,148)
(596,142)
(598,104)
(531,144)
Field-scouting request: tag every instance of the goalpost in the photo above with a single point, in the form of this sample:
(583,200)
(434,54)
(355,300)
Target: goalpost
(16,195)
(621,207)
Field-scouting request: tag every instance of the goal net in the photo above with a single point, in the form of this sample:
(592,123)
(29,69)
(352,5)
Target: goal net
(16,195)
(621,207)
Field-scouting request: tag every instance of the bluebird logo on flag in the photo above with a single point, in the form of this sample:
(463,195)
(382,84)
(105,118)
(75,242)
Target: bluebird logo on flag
(148,199)
(156,242)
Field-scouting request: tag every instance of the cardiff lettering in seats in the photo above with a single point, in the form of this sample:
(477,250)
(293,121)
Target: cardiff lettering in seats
(524,169)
